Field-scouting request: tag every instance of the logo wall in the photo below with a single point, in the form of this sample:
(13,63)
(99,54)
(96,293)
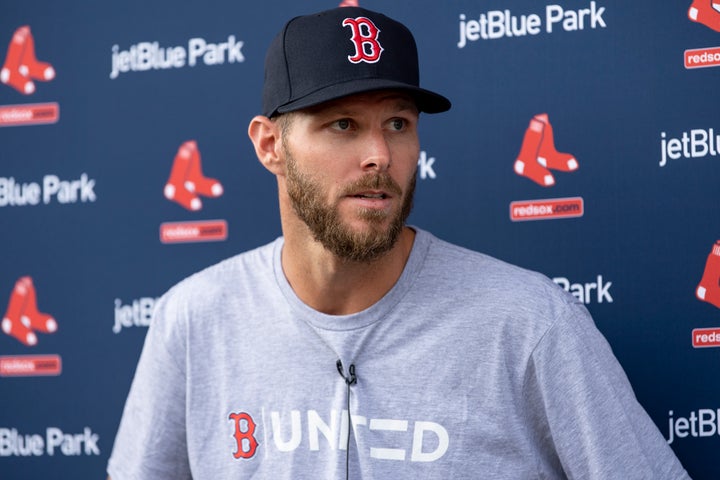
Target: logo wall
(537,157)
(186,184)
(23,321)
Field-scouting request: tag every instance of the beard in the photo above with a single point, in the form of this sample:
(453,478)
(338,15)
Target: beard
(327,226)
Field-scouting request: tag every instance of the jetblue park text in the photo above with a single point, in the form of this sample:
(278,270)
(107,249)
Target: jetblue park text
(146,56)
(496,24)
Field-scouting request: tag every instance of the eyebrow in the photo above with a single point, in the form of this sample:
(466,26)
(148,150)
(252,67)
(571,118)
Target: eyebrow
(407,103)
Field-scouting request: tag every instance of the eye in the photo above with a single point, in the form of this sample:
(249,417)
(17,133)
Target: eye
(398,124)
(342,124)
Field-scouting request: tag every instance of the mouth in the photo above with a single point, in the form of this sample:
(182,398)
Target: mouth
(371,195)
(372,201)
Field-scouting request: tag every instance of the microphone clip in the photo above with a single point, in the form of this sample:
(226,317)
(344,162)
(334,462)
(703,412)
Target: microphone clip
(350,379)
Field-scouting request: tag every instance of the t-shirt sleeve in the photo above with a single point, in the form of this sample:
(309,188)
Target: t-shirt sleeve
(151,440)
(580,394)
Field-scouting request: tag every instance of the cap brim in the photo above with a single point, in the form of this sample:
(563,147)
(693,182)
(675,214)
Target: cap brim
(427,101)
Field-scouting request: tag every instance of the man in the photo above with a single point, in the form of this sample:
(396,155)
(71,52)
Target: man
(356,346)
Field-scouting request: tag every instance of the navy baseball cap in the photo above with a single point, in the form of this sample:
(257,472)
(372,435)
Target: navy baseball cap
(340,52)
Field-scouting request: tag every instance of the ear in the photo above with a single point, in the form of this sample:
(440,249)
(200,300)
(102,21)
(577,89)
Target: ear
(265,136)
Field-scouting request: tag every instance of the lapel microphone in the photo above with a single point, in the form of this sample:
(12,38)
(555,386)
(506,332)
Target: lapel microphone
(350,379)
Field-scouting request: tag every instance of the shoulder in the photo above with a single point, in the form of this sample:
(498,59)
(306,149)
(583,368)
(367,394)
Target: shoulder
(466,267)
(252,262)
(487,283)
(235,276)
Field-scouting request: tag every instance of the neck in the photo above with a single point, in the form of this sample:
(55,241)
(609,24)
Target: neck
(337,286)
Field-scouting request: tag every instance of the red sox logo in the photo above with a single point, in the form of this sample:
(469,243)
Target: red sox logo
(708,290)
(22,318)
(187,180)
(365,37)
(706,12)
(244,435)
(538,154)
(21,65)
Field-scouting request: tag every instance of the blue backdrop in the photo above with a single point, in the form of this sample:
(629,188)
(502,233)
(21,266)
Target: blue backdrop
(98,98)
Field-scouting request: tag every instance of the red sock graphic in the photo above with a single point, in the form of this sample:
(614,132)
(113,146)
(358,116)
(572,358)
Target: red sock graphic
(30,66)
(548,156)
(176,188)
(206,186)
(705,12)
(10,73)
(709,288)
(527,162)
(22,316)
(187,181)
(22,66)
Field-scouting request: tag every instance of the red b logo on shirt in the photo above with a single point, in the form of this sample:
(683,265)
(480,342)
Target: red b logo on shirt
(365,38)
(246,443)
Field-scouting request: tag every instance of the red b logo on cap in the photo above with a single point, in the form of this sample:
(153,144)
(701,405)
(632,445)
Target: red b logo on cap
(365,38)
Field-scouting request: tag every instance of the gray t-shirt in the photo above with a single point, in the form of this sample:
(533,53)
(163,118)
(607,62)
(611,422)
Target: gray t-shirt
(468,368)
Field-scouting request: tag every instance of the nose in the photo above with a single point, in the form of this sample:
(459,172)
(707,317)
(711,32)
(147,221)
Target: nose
(376,154)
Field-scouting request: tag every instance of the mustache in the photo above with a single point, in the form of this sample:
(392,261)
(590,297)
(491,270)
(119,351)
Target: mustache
(377,181)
